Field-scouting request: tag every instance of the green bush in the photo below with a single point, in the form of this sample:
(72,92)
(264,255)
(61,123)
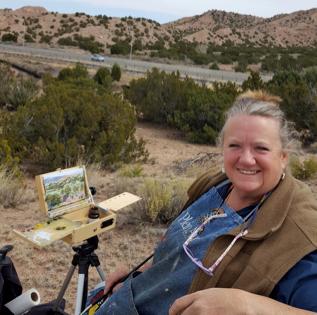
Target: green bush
(11,187)
(162,198)
(6,80)
(21,91)
(67,41)
(116,72)
(15,91)
(304,170)
(103,77)
(299,102)
(9,37)
(78,72)
(74,119)
(134,170)
(120,48)
(214,66)
(253,82)
(28,38)
(196,110)
(88,43)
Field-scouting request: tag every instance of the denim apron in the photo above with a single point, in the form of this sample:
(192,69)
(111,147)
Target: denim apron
(155,290)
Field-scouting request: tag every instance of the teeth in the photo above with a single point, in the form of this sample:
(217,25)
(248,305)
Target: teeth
(247,172)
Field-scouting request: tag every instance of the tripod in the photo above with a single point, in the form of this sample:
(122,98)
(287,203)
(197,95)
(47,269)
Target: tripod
(83,258)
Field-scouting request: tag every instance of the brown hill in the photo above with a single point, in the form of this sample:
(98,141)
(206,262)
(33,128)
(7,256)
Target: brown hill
(218,27)
(295,29)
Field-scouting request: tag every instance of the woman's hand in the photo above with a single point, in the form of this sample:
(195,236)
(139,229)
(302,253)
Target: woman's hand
(219,301)
(213,301)
(115,277)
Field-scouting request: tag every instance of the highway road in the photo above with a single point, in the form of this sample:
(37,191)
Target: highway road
(131,65)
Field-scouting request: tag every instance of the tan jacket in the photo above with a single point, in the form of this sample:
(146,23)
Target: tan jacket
(284,231)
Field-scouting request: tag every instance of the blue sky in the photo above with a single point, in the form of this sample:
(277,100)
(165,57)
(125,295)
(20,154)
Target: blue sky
(165,10)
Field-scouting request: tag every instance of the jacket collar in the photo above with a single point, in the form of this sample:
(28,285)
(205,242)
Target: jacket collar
(271,215)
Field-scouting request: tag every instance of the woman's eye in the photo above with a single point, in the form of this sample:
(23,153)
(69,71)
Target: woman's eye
(260,148)
(233,145)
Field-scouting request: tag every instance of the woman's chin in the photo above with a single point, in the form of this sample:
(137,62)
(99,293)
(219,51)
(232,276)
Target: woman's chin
(249,190)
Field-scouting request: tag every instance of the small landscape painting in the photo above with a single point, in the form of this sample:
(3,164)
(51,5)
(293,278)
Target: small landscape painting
(64,187)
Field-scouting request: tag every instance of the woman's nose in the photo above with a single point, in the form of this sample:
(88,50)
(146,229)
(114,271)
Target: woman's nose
(247,157)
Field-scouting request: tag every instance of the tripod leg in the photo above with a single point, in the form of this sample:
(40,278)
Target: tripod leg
(80,293)
(64,286)
(101,273)
(82,285)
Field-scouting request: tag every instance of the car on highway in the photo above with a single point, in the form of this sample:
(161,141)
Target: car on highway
(96,57)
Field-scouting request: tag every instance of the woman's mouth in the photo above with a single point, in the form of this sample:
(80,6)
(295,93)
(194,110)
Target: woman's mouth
(247,172)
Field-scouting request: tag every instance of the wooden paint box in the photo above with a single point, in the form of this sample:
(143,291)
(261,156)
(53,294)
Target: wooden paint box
(65,197)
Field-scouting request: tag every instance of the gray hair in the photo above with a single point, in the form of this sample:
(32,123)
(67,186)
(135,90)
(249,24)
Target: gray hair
(258,103)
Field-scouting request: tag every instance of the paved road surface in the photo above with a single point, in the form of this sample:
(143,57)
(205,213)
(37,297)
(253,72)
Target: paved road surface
(197,73)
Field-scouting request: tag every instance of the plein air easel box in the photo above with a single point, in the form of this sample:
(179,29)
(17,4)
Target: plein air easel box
(65,197)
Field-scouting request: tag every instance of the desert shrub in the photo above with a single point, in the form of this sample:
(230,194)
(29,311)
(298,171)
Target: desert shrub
(203,116)
(131,170)
(21,91)
(74,119)
(15,91)
(162,198)
(116,72)
(200,58)
(67,41)
(253,82)
(9,37)
(103,77)
(305,169)
(214,66)
(11,187)
(88,43)
(7,160)
(6,80)
(196,110)
(270,63)
(298,92)
(77,72)
(157,95)
(161,202)
(120,48)
(241,66)
(288,63)
(28,38)
(45,39)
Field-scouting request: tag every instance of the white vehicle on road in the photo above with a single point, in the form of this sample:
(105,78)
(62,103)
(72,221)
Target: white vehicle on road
(97,57)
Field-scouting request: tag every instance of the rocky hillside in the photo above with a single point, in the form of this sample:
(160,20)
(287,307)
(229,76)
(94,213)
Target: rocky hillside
(36,24)
(295,29)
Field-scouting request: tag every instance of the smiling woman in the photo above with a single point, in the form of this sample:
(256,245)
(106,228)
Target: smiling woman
(255,155)
(245,242)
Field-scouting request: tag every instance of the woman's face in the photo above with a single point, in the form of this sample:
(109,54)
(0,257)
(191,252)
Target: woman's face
(253,156)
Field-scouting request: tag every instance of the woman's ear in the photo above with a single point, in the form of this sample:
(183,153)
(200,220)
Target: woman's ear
(284,159)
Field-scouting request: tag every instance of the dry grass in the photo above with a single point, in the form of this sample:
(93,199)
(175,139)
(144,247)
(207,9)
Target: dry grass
(11,188)
(162,197)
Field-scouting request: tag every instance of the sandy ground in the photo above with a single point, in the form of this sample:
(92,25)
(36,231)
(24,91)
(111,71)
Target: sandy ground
(167,147)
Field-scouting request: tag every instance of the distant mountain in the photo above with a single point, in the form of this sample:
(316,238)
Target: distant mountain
(218,27)
(295,29)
